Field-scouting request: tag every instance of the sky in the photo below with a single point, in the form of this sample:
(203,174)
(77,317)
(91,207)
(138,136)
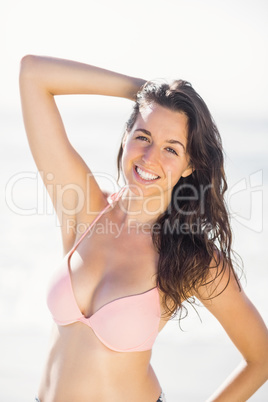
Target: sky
(220,46)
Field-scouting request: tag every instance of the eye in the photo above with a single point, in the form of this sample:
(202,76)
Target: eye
(171,150)
(142,138)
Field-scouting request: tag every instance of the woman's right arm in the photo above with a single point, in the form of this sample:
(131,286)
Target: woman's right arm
(65,174)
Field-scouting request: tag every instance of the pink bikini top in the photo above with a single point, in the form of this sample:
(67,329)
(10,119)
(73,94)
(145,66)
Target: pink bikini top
(127,324)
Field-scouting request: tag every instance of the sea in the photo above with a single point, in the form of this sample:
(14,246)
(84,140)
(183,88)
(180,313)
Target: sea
(191,358)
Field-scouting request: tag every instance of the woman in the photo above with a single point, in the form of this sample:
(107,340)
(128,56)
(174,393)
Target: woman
(113,294)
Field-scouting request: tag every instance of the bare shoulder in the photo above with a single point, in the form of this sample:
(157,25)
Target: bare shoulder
(72,227)
(221,280)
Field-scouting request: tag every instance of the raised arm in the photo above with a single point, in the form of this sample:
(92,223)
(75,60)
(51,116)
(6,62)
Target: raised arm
(247,330)
(64,173)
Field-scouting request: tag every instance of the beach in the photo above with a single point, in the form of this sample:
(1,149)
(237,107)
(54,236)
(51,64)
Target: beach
(191,361)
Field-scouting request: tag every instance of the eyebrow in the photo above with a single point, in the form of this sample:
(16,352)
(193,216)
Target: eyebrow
(169,141)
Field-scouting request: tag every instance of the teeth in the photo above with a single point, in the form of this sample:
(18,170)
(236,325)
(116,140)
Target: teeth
(145,175)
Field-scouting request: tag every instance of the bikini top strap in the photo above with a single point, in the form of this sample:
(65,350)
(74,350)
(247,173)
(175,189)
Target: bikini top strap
(111,200)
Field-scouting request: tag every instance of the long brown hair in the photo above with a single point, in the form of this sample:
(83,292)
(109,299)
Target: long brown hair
(193,235)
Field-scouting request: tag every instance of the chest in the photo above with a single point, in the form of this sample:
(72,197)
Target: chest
(110,263)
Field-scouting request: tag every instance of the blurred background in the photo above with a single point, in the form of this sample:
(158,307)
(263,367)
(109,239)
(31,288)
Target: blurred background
(221,48)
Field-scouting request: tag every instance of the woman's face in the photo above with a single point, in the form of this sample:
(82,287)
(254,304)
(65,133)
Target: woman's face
(154,151)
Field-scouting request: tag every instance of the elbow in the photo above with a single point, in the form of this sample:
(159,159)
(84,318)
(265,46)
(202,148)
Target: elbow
(261,364)
(27,66)
(264,364)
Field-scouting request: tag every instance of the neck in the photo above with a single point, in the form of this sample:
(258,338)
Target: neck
(142,209)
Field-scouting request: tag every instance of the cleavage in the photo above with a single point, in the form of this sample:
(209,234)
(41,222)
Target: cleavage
(92,290)
(101,273)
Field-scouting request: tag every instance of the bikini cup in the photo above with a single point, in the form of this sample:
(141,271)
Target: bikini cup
(126,324)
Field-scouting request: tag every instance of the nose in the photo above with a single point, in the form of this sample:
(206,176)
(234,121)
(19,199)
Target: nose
(151,155)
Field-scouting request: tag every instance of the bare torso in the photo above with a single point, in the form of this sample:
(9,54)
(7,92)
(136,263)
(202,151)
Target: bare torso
(80,368)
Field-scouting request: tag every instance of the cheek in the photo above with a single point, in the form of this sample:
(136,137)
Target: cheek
(127,157)
(174,170)
(131,150)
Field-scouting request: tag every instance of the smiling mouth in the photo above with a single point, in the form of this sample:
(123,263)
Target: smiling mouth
(146,175)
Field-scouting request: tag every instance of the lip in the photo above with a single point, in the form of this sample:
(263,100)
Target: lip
(140,179)
(147,170)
